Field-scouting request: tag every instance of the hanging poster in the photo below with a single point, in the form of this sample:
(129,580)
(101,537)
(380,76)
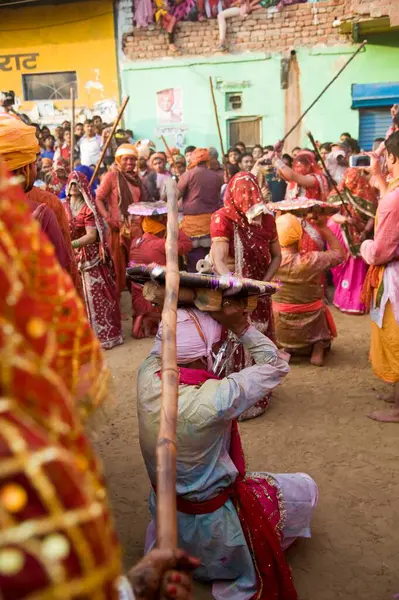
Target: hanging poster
(170,106)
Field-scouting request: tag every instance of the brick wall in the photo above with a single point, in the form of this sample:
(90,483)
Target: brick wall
(377,8)
(300,25)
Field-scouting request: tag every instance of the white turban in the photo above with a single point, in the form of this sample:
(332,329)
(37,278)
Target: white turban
(196,333)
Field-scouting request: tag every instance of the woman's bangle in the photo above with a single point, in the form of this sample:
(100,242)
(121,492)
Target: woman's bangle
(75,244)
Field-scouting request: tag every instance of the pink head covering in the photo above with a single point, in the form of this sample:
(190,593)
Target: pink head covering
(196,333)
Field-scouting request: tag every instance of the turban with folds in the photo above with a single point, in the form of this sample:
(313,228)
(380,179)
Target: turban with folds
(196,332)
(199,155)
(126,150)
(289,229)
(153,226)
(18,142)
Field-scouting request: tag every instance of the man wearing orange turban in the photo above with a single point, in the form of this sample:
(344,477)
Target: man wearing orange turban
(303,322)
(120,187)
(19,148)
(199,188)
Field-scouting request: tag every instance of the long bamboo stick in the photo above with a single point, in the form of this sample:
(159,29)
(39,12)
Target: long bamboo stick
(215,108)
(168,152)
(166,445)
(107,143)
(72,157)
(324,90)
(330,178)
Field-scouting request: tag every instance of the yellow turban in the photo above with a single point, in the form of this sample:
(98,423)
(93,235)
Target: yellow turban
(18,143)
(153,226)
(125,150)
(289,229)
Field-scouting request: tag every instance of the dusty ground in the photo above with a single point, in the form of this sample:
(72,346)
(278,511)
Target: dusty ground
(316,424)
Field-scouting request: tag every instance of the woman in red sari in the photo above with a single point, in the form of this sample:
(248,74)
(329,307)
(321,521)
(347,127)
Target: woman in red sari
(94,261)
(244,241)
(306,180)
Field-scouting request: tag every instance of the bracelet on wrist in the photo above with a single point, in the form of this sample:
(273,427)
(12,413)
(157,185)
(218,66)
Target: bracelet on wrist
(75,244)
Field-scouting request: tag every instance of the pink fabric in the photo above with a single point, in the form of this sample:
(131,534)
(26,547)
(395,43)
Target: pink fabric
(193,376)
(144,13)
(190,345)
(348,278)
(385,245)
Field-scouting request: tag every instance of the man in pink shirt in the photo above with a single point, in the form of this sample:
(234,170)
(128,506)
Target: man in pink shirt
(382,283)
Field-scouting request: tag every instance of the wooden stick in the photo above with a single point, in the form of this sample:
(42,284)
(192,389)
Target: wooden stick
(215,108)
(72,157)
(327,172)
(168,152)
(166,445)
(107,143)
(324,90)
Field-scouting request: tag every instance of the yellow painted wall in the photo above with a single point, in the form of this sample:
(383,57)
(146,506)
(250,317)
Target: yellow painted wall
(69,37)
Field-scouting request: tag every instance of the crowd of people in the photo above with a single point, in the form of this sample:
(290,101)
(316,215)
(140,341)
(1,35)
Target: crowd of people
(66,242)
(168,13)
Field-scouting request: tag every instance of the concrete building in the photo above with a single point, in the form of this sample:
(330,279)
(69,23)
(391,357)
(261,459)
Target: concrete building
(277,65)
(48,47)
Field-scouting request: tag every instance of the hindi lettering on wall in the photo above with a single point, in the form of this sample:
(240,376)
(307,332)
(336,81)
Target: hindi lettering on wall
(11,62)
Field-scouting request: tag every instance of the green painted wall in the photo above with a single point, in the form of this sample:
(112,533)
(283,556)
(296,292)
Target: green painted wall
(263,97)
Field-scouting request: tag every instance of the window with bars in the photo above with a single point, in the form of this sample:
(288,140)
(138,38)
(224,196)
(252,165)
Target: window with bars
(246,129)
(49,86)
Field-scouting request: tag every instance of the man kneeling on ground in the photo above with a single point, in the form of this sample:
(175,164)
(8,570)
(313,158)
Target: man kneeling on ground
(237,524)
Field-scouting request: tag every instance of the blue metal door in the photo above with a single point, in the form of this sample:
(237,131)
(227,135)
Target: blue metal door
(373,123)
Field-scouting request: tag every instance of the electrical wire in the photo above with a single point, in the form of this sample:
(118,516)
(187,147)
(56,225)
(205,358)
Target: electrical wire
(2,4)
(38,27)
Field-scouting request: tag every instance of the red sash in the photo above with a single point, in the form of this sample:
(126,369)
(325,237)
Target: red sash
(256,501)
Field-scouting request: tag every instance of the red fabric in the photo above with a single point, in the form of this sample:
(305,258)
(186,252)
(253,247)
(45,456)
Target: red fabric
(48,222)
(298,308)
(358,183)
(52,379)
(56,205)
(96,268)
(258,510)
(255,240)
(206,506)
(309,244)
(145,250)
(65,152)
(330,322)
(118,235)
(241,194)
(150,248)
(272,570)
(310,307)
(317,192)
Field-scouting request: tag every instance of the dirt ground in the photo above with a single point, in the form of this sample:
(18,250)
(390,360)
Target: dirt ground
(315,424)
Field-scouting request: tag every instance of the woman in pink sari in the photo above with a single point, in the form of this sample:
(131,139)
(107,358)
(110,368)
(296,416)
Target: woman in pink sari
(244,241)
(351,226)
(94,261)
